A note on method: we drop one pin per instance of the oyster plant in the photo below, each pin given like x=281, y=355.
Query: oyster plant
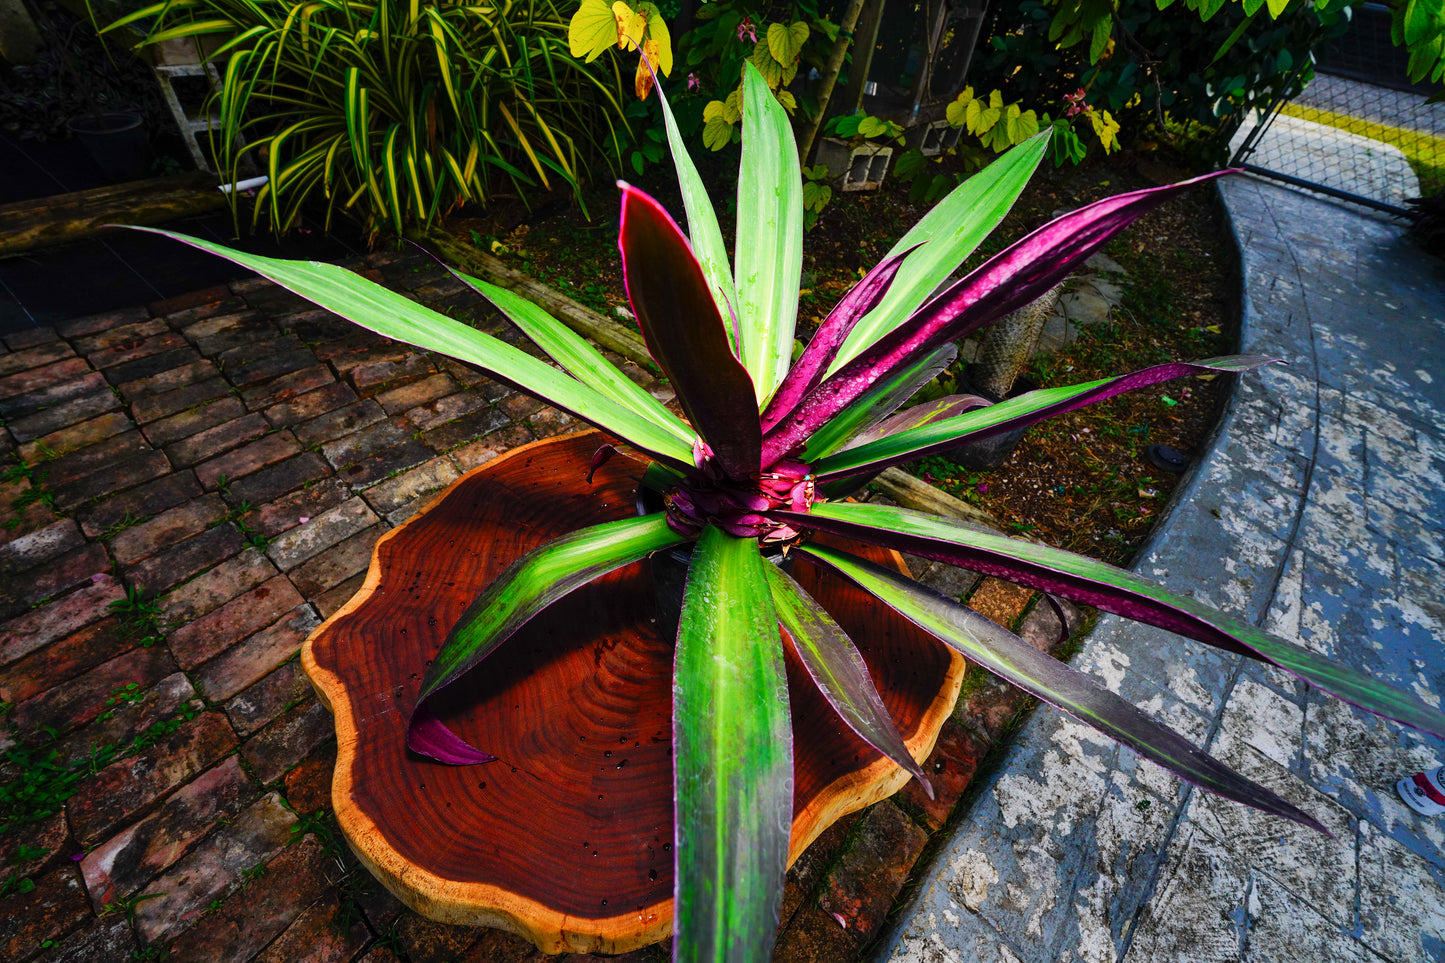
x=768, y=447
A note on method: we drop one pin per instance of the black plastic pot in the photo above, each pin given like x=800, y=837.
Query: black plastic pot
x=116, y=141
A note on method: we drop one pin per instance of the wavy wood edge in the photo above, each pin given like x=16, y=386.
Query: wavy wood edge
x=481, y=904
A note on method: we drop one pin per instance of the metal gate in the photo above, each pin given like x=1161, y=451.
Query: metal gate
x=1359, y=131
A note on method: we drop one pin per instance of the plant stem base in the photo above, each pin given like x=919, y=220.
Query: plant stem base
x=567, y=838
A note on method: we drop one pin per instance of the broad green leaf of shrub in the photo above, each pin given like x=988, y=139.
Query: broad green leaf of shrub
x=872, y=127
x=593, y=29
x=957, y=111
x=783, y=43
x=772, y=71
x=717, y=133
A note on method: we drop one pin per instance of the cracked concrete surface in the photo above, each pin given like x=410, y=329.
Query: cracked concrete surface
x=1316, y=514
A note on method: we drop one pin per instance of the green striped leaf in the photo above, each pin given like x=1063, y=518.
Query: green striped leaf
x=702, y=227
x=732, y=758
x=577, y=355
x=396, y=316
x=769, y=250
x=1026, y=409
x=528, y=586
x=951, y=231
x=880, y=402
x=1111, y=589
x=1014, y=660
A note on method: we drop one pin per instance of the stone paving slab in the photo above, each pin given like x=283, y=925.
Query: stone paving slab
x=194, y=485
x=1317, y=515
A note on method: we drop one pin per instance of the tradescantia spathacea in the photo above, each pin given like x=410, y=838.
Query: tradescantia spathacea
x=766, y=449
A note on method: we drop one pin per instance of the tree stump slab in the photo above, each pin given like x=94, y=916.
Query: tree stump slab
x=567, y=838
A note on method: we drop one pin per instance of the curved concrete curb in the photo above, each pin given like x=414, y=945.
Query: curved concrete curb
x=1314, y=514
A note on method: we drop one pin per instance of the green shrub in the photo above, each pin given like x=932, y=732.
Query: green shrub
x=1142, y=63
x=396, y=112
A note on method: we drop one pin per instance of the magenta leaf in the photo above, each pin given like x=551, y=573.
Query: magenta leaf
x=1016, y=661
x=1009, y=280
x=808, y=370
x=1026, y=269
x=1111, y=589
x=685, y=333
x=430, y=737
x=1026, y=409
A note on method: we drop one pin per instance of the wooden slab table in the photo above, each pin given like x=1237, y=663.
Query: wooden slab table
x=567, y=838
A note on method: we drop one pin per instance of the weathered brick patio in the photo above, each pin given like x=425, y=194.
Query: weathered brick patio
x=193, y=487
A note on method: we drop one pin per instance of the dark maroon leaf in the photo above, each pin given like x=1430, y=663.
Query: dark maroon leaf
x=685, y=333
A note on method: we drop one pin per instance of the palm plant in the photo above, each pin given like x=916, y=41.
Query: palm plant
x=765, y=450
x=394, y=112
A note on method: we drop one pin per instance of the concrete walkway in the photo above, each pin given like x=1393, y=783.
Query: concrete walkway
x=1317, y=514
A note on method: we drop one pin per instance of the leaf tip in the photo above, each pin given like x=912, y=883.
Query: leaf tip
x=428, y=736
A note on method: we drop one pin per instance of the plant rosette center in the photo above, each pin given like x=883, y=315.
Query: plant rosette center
x=736, y=505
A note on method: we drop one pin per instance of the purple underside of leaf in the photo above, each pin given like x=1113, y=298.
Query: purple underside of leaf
x=808, y=370
x=430, y=737
x=684, y=332
x=1016, y=661
x=1110, y=589
x=1009, y=280
x=907, y=442
x=1034, y=575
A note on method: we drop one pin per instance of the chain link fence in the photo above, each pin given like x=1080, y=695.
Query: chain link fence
x=1360, y=130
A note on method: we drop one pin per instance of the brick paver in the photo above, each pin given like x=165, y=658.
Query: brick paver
x=203, y=482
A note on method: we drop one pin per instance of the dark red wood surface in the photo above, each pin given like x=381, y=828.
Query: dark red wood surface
x=577, y=812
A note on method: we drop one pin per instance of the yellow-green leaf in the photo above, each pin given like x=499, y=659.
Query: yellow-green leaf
x=717, y=134
x=800, y=33
x=631, y=26
x=592, y=30
x=762, y=58
x=657, y=31
x=956, y=111
x=780, y=43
